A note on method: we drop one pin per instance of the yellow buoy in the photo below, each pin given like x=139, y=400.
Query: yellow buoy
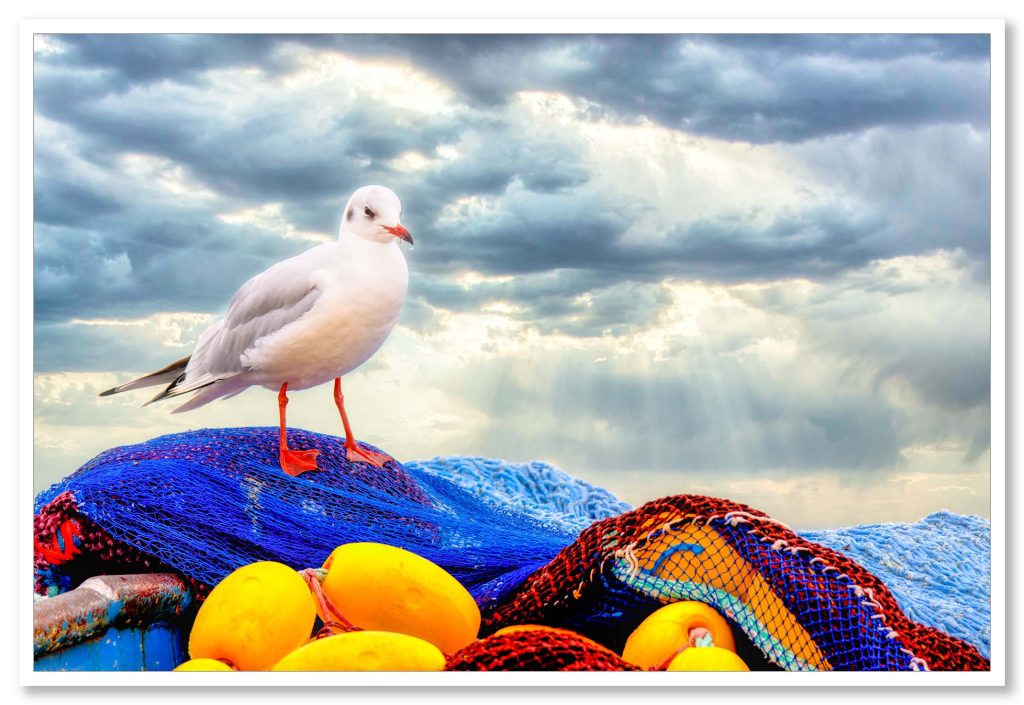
x=364, y=651
x=707, y=658
x=204, y=664
x=254, y=617
x=384, y=588
x=667, y=630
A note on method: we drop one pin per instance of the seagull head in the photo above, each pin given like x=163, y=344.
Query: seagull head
x=374, y=213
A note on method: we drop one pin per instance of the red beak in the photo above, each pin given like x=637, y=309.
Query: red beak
x=399, y=231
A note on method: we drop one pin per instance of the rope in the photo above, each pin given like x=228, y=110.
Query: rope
x=699, y=638
x=334, y=620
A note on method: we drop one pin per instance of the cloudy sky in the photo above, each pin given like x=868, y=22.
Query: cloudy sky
x=749, y=266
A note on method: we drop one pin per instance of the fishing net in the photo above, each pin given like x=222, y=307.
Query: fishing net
x=541, y=650
x=204, y=503
x=938, y=568
x=804, y=606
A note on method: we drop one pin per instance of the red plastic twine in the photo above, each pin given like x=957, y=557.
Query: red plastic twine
x=334, y=620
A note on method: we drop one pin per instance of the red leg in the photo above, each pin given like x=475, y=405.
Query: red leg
x=293, y=462
x=354, y=452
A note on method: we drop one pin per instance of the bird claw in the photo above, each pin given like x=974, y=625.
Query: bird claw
x=296, y=462
x=356, y=454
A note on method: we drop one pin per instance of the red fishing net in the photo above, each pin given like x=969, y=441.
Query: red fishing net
x=804, y=606
x=537, y=650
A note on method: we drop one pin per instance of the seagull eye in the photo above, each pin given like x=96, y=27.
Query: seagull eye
x=369, y=212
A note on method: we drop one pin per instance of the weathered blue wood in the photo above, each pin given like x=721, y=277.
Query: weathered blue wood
x=159, y=647
x=113, y=623
x=164, y=646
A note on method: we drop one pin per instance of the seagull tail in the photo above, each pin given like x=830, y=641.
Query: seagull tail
x=173, y=373
x=179, y=386
x=216, y=389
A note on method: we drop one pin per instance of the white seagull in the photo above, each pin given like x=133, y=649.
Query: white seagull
x=302, y=322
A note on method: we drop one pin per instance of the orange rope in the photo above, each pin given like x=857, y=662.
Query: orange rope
x=334, y=620
x=697, y=635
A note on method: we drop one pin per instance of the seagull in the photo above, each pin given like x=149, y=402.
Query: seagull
x=302, y=322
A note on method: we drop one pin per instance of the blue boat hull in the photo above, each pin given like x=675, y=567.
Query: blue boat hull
x=114, y=623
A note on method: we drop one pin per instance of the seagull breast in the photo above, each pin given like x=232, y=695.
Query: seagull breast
x=361, y=287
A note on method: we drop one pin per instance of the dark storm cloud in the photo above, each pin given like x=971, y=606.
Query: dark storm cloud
x=917, y=191
x=130, y=59
x=932, y=185
x=955, y=376
x=549, y=265
x=864, y=46
x=539, y=233
x=758, y=88
x=170, y=264
x=117, y=95
x=261, y=155
x=64, y=202
x=724, y=418
x=615, y=310
x=99, y=348
x=930, y=339
x=573, y=302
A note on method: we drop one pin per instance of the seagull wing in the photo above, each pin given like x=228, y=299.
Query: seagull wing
x=265, y=304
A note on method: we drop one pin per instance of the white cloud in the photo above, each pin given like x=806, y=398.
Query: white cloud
x=46, y=45
x=829, y=500
x=270, y=217
x=155, y=173
x=336, y=76
x=666, y=178
x=172, y=329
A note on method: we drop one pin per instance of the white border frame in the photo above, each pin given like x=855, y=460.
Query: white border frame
x=997, y=499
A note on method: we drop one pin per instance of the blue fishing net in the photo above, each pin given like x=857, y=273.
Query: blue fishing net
x=938, y=568
x=208, y=501
x=544, y=492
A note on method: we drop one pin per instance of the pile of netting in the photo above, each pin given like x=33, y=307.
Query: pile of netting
x=203, y=503
x=938, y=568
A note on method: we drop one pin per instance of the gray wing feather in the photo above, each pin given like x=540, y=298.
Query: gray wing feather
x=264, y=305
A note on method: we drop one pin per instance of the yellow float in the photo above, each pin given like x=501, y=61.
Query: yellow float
x=668, y=629
x=364, y=651
x=383, y=588
x=254, y=617
x=204, y=664
x=707, y=658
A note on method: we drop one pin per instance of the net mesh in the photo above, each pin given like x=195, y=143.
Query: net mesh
x=804, y=606
x=209, y=501
x=540, y=650
x=204, y=503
